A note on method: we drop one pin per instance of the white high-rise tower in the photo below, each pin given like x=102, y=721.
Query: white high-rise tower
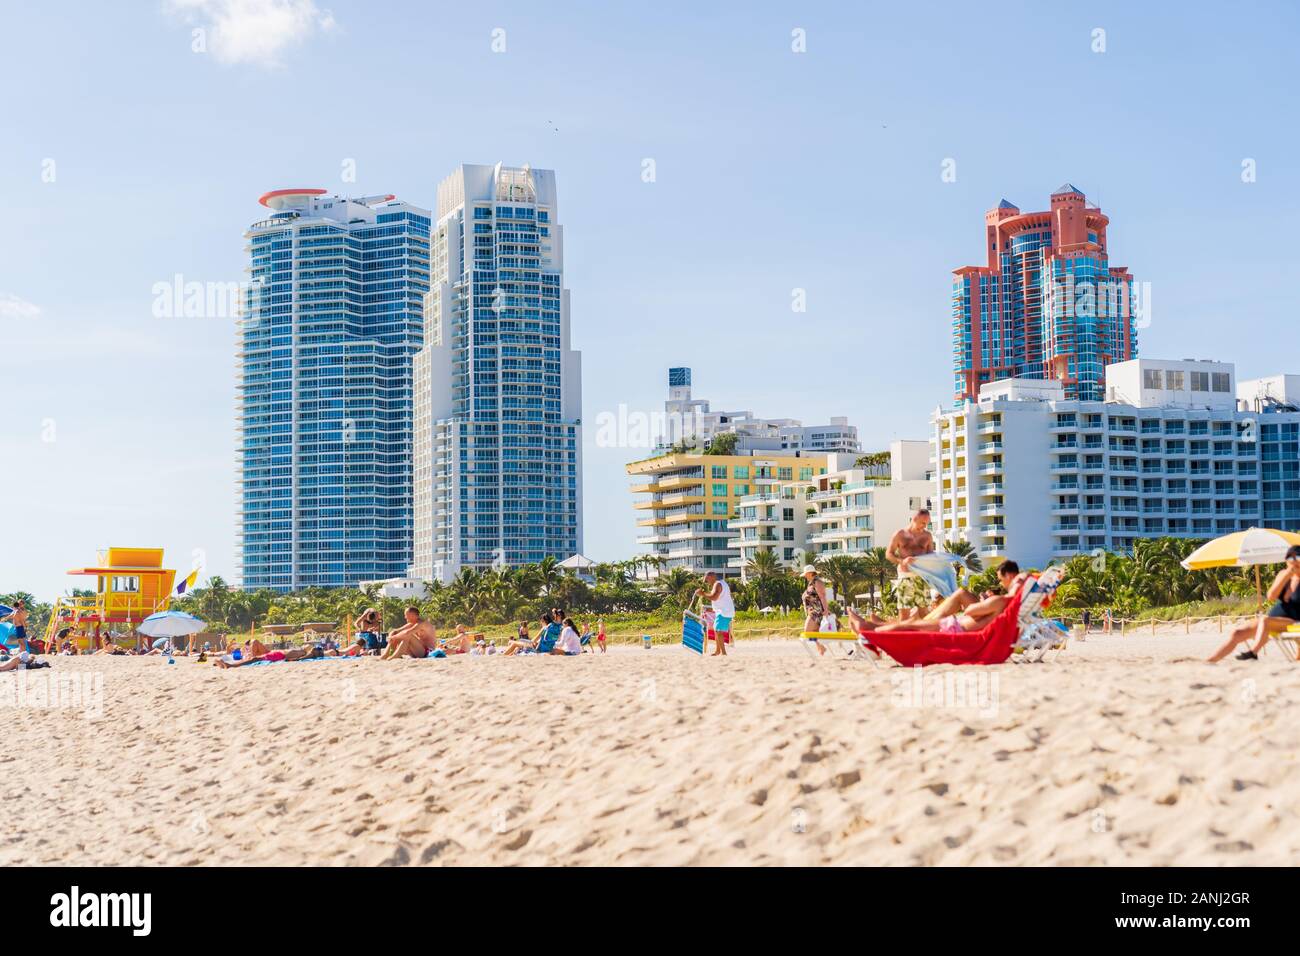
x=498, y=390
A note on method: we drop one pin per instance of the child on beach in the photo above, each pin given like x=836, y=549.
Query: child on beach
x=600, y=634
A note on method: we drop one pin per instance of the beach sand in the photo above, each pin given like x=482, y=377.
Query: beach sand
x=1126, y=750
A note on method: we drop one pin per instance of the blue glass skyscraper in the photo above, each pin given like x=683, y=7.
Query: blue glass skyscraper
x=332, y=321
x=498, y=390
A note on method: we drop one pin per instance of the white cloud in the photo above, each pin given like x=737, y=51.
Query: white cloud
x=255, y=31
x=12, y=307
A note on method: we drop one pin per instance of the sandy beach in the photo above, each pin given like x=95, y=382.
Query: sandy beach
x=1126, y=750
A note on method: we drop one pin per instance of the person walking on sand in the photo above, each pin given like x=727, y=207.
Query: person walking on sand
x=600, y=634
x=911, y=592
x=18, y=618
x=1285, y=593
x=718, y=591
x=814, y=604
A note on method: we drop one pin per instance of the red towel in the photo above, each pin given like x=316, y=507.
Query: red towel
x=991, y=644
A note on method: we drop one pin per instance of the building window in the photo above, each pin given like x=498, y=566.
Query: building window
x=1151, y=378
x=1220, y=380
x=1200, y=381
x=1174, y=381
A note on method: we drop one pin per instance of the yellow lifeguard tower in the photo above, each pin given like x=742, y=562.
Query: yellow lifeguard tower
x=131, y=585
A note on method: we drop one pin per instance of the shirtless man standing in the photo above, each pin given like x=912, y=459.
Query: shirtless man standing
x=19, y=620
x=417, y=638
x=910, y=591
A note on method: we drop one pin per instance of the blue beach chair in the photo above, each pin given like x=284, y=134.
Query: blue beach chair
x=693, y=632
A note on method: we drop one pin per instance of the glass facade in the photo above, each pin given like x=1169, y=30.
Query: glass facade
x=498, y=413
x=1047, y=306
x=331, y=322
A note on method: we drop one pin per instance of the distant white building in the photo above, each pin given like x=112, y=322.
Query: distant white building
x=844, y=511
x=1176, y=449
x=405, y=589
x=582, y=567
x=688, y=418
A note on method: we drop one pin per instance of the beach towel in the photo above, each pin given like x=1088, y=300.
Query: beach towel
x=991, y=644
x=936, y=569
x=546, y=643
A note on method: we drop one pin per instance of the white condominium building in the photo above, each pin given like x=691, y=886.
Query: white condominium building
x=691, y=419
x=690, y=498
x=845, y=511
x=1176, y=449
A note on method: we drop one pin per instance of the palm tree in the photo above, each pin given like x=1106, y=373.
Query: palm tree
x=763, y=565
x=876, y=568
x=844, y=572
x=548, y=573
x=966, y=555
x=677, y=583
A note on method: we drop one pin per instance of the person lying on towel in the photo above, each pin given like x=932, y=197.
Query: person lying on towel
x=257, y=651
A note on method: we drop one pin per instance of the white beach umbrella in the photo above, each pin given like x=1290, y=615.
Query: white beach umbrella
x=171, y=624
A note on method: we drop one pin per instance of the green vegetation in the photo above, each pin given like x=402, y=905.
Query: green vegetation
x=1149, y=583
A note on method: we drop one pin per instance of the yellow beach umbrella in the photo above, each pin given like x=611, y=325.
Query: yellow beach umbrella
x=1243, y=549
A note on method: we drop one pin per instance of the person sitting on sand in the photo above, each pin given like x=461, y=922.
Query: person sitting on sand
x=546, y=638
x=417, y=638
x=369, y=624
x=1285, y=595
x=961, y=611
x=570, y=641
x=462, y=642
x=111, y=649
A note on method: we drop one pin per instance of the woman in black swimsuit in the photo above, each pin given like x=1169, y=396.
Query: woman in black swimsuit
x=1285, y=593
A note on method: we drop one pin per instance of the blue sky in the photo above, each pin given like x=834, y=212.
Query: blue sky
x=775, y=170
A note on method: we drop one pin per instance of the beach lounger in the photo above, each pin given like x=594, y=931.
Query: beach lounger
x=992, y=644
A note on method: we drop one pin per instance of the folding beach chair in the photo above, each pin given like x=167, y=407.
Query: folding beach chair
x=856, y=647
x=1039, y=636
x=1288, y=642
x=693, y=630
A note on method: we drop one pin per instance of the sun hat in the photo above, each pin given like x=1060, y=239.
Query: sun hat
x=807, y=568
